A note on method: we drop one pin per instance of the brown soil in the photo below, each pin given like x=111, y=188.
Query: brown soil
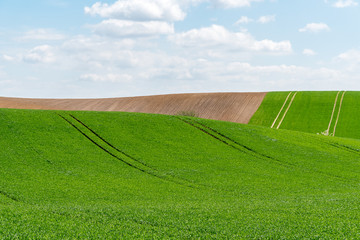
x=234, y=107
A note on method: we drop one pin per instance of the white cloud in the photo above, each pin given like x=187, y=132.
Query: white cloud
x=262, y=19
x=352, y=55
x=139, y=10
x=124, y=28
x=266, y=19
x=8, y=58
x=350, y=60
x=233, y=3
x=218, y=36
x=345, y=3
x=40, y=54
x=315, y=27
x=309, y=52
x=244, y=19
x=109, y=77
x=42, y=34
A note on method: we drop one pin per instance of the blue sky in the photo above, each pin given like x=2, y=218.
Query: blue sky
x=79, y=49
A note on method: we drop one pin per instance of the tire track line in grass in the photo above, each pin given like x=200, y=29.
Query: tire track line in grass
x=9, y=196
x=281, y=109
x=126, y=162
x=122, y=152
x=211, y=135
x=332, y=115
x=287, y=109
x=344, y=147
x=231, y=143
x=338, y=115
x=110, y=145
x=284, y=163
x=262, y=156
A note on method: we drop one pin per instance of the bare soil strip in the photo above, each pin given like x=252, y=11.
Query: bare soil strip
x=281, y=109
x=332, y=114
x=233, y=107
x=287, y=109
x=338, y=115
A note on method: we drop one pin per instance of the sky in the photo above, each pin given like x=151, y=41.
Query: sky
x=109, y=48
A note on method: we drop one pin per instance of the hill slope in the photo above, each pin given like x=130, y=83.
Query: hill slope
x=329, y=113
x=131, y=175
x=233, y=107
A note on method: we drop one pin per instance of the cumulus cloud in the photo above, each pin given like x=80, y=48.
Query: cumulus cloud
x=233, y=3
x=109, y=77
x=266, y=19
x=315, y=27
x=350, y=60
x=244, y=20
x=8, y=58
x=139, y=10
x=219, y=36
x=42, y=34
x=352, y=55
x=124, y=28
x=345, y=3
x=308, y=52
x=40, y=54
x=262, y=19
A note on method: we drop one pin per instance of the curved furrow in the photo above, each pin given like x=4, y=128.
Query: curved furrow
x=143, y=168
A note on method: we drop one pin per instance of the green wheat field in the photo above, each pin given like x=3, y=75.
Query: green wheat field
x=117, y=175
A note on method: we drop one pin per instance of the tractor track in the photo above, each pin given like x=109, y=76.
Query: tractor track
x=338, y=115
x=240, y=147
x=109, y=144
x=189, y=184
x=122, y=152
x=333, y=112
x=260, y=155
x=286, y=111
x=278, y=115
x=9, y=196
x=344, y=147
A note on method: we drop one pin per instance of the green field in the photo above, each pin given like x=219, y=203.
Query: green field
x=312, y=112
x=107, y=175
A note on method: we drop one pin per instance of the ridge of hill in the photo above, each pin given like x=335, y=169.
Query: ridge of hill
x=90, y=175
x=233, y=107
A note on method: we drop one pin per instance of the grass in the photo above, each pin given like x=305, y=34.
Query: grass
x=69, y=175
x=311, y=112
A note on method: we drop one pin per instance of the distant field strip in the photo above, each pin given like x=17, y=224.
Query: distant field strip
x=286, y=111
x=273, y=124
x=338, y=114
x=330, y=113
x=125, y=158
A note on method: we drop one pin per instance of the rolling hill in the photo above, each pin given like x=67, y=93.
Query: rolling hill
x=76, y=174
